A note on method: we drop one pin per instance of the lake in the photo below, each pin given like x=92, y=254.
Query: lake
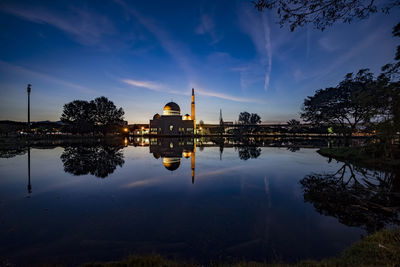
x=190, y=200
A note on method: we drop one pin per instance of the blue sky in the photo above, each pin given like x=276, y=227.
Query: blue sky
x=143, y=54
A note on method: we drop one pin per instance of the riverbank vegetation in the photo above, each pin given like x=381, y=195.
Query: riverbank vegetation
x=379, y=249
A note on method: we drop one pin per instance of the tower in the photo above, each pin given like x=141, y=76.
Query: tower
x=193, y=115
x=28, y=90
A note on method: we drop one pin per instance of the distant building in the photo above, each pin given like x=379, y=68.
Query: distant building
x=172, y=122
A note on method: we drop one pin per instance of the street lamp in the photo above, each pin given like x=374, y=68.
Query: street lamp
x=28, y=89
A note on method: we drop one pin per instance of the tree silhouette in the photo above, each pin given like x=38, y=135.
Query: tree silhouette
x=249, y=152
x=106, y=116
x=322, y=13
x=99, y=114
x=356, y=196
x=100, y=160
x=346, y=106
x=79, y=116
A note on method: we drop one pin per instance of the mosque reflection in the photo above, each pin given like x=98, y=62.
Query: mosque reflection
x=171, y=150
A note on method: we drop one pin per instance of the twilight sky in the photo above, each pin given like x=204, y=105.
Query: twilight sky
x=143, y=54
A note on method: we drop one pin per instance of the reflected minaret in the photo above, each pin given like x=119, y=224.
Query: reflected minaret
x=193, y=161
x=193, y=115
x=29, y=171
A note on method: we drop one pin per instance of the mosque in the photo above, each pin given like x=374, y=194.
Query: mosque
x=172, y=123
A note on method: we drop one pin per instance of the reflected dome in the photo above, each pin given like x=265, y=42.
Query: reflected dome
x=171, y=108
x=186, y=154
x=171, y=163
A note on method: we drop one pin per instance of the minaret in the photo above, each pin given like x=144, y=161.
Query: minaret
x=193, y=115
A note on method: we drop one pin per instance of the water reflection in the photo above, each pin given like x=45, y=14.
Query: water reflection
x=249, y=152
x=356, y=196
x=171, y=151
x=99, y=160
x=29, y=171
x=249, y=209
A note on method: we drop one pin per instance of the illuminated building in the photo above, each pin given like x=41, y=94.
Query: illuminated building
x=171, y=122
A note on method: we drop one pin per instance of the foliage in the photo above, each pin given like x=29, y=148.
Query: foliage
x=392, y=70
x=106, y=115
x=99, y=160
x=99, y=114
x=294, y=125
x=244, y=118
x=249, y=122
x=356, y=196
x=322, y=13
x=79, y=116
x=346, y=106
x=249, y=152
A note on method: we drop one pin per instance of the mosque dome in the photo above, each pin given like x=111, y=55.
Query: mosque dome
x=171, y=108
x=186, y=117
x=171, y=163
x=156, y=116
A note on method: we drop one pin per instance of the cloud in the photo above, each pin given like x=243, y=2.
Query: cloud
x=257, y=27
x=205, y=92
x=24, y=71
x=88, y=28
x=207, y=26
x=158, y=87
x=153, y=86
x=328, y=44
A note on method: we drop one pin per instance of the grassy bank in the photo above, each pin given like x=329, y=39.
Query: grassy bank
x=367, y=156
x=379, y=249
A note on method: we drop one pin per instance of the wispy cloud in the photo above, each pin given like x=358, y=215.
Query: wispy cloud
x=257, y=27
x=153, y=86
x=207, y=26
x=5, y=66
x=205, y=92
x=158, y=87
x=86, y=27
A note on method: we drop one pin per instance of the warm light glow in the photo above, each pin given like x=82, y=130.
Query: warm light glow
x=126, y=129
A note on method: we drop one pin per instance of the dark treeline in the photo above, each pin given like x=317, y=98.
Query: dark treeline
x=97, y=116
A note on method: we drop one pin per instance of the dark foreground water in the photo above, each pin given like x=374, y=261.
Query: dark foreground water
x=101, y=202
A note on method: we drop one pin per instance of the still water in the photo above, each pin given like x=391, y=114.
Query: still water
x=186, y=201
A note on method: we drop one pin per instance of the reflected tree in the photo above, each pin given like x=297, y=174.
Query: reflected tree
x=10, y=153
x=249, y=152
x=356, y=196
x=99, y=161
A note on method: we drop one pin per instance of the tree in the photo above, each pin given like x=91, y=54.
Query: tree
x=344, y=107
x=106, y=115
x=98, y=160
x=249, y=121
x=100, y=114
x=294, y=125
x=255, y=118
x=322, y=13
x=392, y=70
x=356, y=196
x=244, y=118
x=79, y=116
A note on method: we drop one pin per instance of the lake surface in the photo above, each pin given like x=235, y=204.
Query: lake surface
x=186, y=201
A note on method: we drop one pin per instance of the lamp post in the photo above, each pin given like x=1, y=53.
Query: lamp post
x=28, y=89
